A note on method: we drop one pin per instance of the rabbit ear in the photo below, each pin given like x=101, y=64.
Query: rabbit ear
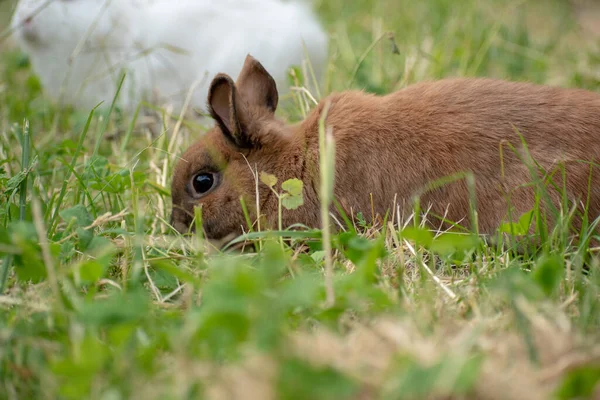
x=256, y=86
x=236, y=105
x=226, y=109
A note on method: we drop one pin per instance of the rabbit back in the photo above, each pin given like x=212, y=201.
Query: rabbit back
x=507, y=134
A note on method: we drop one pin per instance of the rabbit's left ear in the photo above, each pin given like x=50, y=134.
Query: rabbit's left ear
x=235, y=106
x=256, y=86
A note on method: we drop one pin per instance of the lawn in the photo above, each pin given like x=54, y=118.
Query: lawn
x=100, y=299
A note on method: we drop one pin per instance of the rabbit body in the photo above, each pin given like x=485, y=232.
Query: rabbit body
x=389, y=148
x=166, y=47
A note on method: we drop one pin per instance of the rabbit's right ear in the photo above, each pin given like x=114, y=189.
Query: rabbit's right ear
x=257, y=86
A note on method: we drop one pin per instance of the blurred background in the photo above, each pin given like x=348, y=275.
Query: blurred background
x=380, y=45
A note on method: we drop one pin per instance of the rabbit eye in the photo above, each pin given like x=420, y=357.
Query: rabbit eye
x=203, y=183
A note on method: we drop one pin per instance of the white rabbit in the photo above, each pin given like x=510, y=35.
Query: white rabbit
x=78, y=47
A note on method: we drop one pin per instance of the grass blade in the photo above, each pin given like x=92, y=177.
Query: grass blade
x=110, y=111
x=25, y=166
x=63, y=189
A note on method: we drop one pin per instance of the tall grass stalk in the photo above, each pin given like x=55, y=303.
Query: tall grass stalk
x=65, y=182
x=25, y=164
x=25, y=155
x=327, y=176
x=102, y=131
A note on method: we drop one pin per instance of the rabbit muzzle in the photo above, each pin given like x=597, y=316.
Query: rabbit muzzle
x=181, y=221
x=28, y=31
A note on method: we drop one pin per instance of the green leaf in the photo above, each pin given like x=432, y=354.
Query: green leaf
x=80, y=213
x=172, y=269
x=292, y=202
x=519, y=228
x=525, y=222
x=354, y=246
x=103, y=251
x=273, y=260
x=580, y=383
x=85, y=238
x=514, y=280
x=318, y=255
x=421, y=236
x=79, y=369
x=268, y=179
x=451, y=376
x=91, y=271
x=413, y=380
x=369, y=268
x=363, y=252
x=162, y=279
x=302, y=291
x=449, y=243
x=100, y=245
x=549, y=272
x=469, y=374
x=292, y=199
x=29, y=264
x=300, y=380
x=117, y=309
x=223, y=332
x=361, y=221
x=293, y=186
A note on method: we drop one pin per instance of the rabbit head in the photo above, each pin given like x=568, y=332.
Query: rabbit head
x=220, y=170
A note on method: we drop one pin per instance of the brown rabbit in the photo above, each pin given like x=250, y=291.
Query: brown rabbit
x=392, y=146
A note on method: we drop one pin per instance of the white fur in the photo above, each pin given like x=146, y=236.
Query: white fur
x=80, y=46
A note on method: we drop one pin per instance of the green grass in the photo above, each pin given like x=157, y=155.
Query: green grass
x=100, y=300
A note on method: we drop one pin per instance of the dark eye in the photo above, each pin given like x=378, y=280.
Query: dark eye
x=202, y=183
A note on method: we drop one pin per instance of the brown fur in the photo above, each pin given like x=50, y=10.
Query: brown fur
x=393, y=145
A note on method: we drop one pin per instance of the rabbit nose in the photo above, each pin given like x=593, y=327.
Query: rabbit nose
x=28, y=30
x=178, y=225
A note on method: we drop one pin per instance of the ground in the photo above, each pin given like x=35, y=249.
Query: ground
x=98, y=299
